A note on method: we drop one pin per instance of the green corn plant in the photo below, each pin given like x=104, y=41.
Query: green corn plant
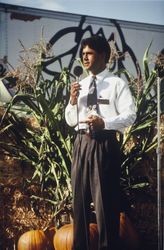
x=142, y=135
x=47, y=145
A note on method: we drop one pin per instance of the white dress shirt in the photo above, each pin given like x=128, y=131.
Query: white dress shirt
x=115, y=103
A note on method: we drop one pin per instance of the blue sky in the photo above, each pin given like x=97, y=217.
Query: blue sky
x=144, y=11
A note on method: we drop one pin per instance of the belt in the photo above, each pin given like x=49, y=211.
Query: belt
x=82, y=131
x=98, y=134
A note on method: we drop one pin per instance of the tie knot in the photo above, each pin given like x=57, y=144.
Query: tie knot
x=93, y=83
x=93, y=79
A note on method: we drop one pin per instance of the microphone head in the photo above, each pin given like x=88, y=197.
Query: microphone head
x=78, y=71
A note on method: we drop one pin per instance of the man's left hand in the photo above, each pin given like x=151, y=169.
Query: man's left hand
x=95, y=122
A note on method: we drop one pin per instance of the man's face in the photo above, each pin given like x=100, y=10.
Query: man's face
x=93, y=61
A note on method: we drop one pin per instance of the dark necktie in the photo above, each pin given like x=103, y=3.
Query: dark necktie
x=92, y=95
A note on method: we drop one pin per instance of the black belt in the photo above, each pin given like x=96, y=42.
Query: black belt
x=98, y=134
x=82, y=131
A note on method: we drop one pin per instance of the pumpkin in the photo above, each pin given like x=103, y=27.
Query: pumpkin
x=63, y=238
x=128, y=233
x=33, y=240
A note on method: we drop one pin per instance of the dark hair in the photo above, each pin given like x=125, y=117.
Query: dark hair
x=97, y=43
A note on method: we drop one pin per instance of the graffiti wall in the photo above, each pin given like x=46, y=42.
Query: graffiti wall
x=64, y=32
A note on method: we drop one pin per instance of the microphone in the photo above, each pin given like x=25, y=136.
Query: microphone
x=78, y=71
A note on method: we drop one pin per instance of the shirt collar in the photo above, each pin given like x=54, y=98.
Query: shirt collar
x=102, y=74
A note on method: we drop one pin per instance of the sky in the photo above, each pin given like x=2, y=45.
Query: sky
x=143, y=11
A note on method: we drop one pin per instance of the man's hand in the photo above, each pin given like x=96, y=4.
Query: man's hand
x=95, y=122
x=75, y=87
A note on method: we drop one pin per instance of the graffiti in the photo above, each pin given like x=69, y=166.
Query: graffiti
x=79, y=32
x=125, y=49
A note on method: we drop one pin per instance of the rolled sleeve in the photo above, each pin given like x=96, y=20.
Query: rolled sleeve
x=71, y=115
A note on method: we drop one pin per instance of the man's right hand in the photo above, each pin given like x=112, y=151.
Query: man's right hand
x=74, y=93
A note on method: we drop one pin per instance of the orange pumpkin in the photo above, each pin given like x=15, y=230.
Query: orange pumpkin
x=63, y=238
x=33, y=240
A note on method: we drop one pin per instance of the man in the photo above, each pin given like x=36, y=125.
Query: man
x=96, y=156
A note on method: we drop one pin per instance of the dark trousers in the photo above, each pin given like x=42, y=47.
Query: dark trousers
x=96, y=177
